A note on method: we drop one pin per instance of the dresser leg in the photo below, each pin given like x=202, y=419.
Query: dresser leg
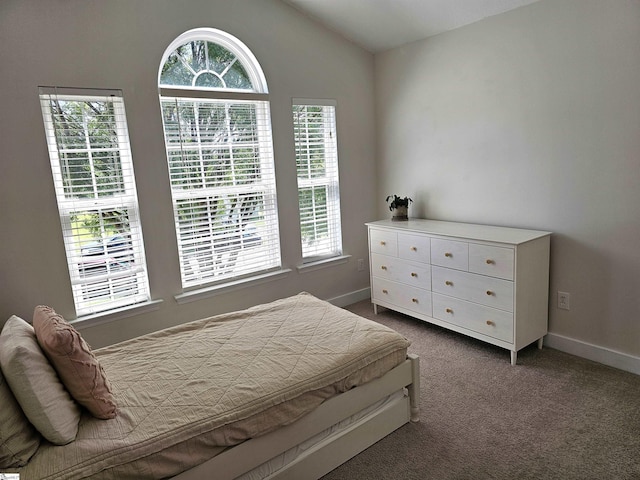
x=514, y=357
x=540, y=340
x=375, y=309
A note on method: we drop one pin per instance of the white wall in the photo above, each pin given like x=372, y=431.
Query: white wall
x=119, y=44
x=530, y=119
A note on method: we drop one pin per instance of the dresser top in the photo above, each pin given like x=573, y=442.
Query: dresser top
x=469, y=231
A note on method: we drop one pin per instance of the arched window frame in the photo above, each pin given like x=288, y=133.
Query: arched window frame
x=203, y=266
x=231, y=43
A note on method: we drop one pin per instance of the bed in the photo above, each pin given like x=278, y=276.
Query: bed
x=288, y=389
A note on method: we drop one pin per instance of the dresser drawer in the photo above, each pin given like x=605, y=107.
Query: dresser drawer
x=490, y=291
x=493, y=261
x=384, y=241
x=449, y=253
x=414, y=247
x=481, y=319
x=411, y=298
x=410, y=273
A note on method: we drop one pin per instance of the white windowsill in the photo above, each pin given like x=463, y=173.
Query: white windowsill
x=206, y=292
x=326, y=262
x=116, y=314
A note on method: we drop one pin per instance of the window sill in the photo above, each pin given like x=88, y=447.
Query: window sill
x=324, y=263
x=116, y=314
x=206, y=292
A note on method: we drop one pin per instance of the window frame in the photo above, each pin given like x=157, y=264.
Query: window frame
x=69, y=205
x=331, y=182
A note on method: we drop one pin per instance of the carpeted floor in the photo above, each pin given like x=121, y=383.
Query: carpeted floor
x=552, y=416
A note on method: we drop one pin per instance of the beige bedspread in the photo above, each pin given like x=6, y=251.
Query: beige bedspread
x=189, y=392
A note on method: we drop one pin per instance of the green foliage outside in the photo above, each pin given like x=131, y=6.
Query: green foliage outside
x=88, y=146
x=311, y=164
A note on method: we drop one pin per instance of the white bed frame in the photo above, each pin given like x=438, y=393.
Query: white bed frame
x=338, y=447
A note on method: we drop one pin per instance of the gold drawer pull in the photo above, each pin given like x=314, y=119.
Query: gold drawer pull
x=384, y=290
x=448, y=254
x=414, y=300
x=489, y=292
x=491, y=323
x=448, y=283
x=448, y=310
x=490, y=262
x=414, y=249
x=383, y=243
x=383, y=267
x=413, y=274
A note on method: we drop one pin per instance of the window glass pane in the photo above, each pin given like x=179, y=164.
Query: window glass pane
x=108, y=173
x=237, y=77
x=314, y=222
x=100, y=121
x=104, y=241
x=223, y=237
x=204, y=64
x=218, y=143
x=88, y=148
x=195, y=55
x=208, y=80
x=76, y=175
x=69, y=120
x=176, y=73
x=219, y=58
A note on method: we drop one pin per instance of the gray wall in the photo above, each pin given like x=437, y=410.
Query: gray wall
x=530, y=119
x=119, y=44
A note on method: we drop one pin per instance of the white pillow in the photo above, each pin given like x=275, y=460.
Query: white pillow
x=35, y=384
x=18, y=439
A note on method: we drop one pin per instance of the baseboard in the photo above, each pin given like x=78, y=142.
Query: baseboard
x=352, y=297
x=603, y=355
x=606, y=356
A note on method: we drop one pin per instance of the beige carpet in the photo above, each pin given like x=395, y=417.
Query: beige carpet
x=553, y=416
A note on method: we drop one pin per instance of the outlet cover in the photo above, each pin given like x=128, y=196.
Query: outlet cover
x=564, y=300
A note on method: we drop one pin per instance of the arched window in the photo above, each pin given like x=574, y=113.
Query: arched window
x=217, y=129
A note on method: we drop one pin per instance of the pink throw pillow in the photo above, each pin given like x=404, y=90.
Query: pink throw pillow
x=76, y=365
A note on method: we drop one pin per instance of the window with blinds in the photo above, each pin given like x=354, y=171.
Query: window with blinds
x=95, y=187
x=314, y=124
x=218, y=140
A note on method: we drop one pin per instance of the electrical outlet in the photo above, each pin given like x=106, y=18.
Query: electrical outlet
x=564, y=300
x=360, y=264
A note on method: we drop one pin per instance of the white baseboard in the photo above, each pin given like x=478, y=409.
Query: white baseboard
x=351, y=297
x=606, y=356
x=603, y=355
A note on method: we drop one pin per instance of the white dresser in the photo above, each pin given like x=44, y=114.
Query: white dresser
x=491, y=283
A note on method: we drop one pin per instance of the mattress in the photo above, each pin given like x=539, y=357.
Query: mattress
x=189, y=392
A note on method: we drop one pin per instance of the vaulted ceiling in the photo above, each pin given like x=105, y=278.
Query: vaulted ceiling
x=379, y=25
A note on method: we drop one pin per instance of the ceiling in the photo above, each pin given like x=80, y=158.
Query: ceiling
x=379, y=25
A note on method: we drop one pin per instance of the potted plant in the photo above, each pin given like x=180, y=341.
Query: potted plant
x=400, y=205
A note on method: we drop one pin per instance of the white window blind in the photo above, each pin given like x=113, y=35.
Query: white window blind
x=314, y=124
x=219, y=149
x=93, y=175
